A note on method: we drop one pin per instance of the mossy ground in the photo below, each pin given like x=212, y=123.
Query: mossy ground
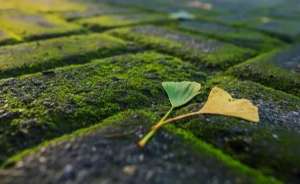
x=48, y=105
x=277, y=69
x=205, y=52
x=239, y=36
x=255, y=144
x=104, y=22
x=126, y=127
x=31, y=25
x=68, y=65
x=46, y=54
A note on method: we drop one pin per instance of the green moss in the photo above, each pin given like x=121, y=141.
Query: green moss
x=263, y=69
x=201, y=51
x=93, y=9
x=40, y=55
x=110, y=121
x=6, y=38
x=285, y=29
x=270, y=145
x=237, y=36
x=112, y=21
x=31, y=25
x=73, y=97
x=144, y=117
x=208, y=149
x=42, y=6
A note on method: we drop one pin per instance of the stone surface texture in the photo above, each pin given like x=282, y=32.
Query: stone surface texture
x=80, y=84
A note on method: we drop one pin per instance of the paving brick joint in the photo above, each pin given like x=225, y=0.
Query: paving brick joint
x=80, y=83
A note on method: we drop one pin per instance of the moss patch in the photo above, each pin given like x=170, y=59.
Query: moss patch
x=201, y=51
x=278, y=69
x=238, y=36
x=51, y=104
x=32, y=25
x=41, y=6
x=40, y=55
x=271, y=145
x=112, y=21
x=96, y=9
x=118, y=135
x=6, y=38
x=285, y=29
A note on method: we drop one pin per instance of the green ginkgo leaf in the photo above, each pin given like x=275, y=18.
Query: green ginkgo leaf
x=180, y=93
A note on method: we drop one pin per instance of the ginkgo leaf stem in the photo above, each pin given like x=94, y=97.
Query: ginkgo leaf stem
x=154, y=129
x=180, y=117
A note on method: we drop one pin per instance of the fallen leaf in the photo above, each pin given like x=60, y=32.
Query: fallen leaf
x=180, y=93
x=220, y=102
x=182, y=15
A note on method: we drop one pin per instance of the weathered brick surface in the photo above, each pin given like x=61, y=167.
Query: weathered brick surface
x=33, y=25
x=209, y=53
x=50, y=104
x=42, y=6
x=238, y=36
x=111, y=21
x=83, y=79
x=279, y=69
x=100, y=154
x=271, y=144
x=5, y=37
x=41, y=55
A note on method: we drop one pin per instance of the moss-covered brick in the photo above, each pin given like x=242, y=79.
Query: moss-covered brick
x=201, y=51
x=108, y=152
x=42, y=106
x=6, y=37
x=286, y=29
x=279, y=69
x=166, y=6
x=42, y=6
x=93, y=9
x=288, y=10
x=33, y=25
x=238, y=36
x=272, y=145
x=112, y=21
x=245, y=7
x=40, y=55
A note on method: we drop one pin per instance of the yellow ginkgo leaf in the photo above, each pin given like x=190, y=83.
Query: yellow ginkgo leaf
x=220, y=102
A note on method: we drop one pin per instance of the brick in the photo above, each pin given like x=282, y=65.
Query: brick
x=40, y=55
x=166, y=6
x=238, y=7
x=111, y=21
x=286, y=29
x=41, y=6
x=31, y=25
x=123, y=162
x=286, y=9
x=96, y=9
x=201, y=51
x=278, y=69
x=54, y=103
x=7, y=38
x=233, y=35
x=271, y=145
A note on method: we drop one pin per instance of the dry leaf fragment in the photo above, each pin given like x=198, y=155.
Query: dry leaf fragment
x=220, y=102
